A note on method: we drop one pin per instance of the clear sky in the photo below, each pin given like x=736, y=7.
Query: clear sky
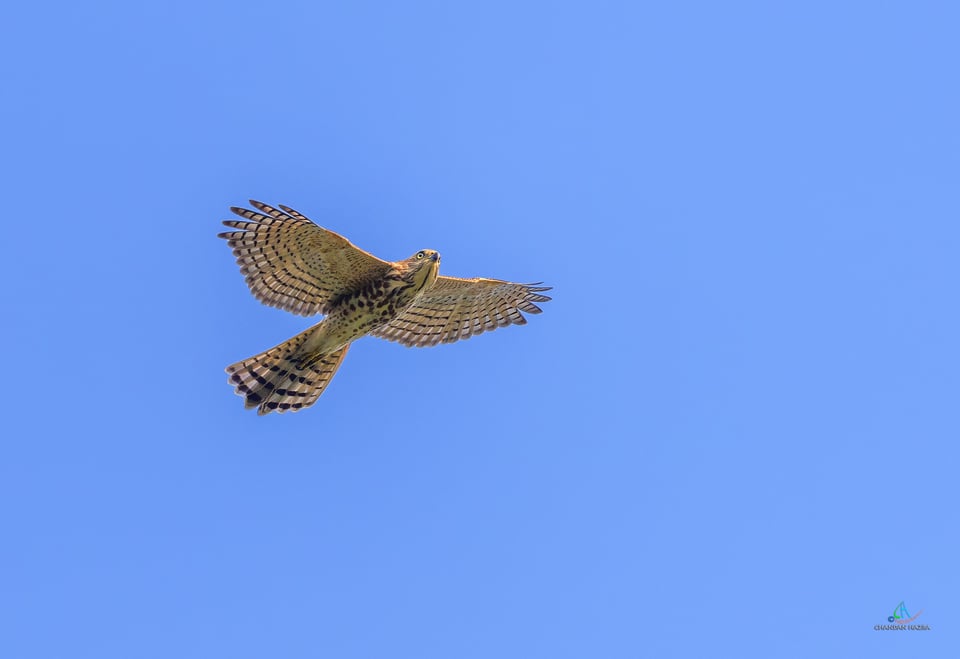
x=733, y=432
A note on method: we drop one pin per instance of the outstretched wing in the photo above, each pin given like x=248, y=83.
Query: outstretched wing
x=454, y=309
x=291, y=263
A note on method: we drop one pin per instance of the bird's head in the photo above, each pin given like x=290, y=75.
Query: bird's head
x=422, y=268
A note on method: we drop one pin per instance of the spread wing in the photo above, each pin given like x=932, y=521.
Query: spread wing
x=291, y=263
x=454, y=309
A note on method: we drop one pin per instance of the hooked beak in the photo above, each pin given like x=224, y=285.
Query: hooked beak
x=435, y=256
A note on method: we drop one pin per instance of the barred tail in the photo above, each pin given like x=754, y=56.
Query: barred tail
x=282, y=378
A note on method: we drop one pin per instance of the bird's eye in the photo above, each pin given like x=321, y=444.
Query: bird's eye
x=420, y=255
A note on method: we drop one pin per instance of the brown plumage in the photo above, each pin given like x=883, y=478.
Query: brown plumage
x=291, y=263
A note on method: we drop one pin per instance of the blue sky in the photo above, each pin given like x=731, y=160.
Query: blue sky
x=733, y=432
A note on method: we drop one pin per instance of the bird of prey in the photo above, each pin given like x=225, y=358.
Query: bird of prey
x=293, y=264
